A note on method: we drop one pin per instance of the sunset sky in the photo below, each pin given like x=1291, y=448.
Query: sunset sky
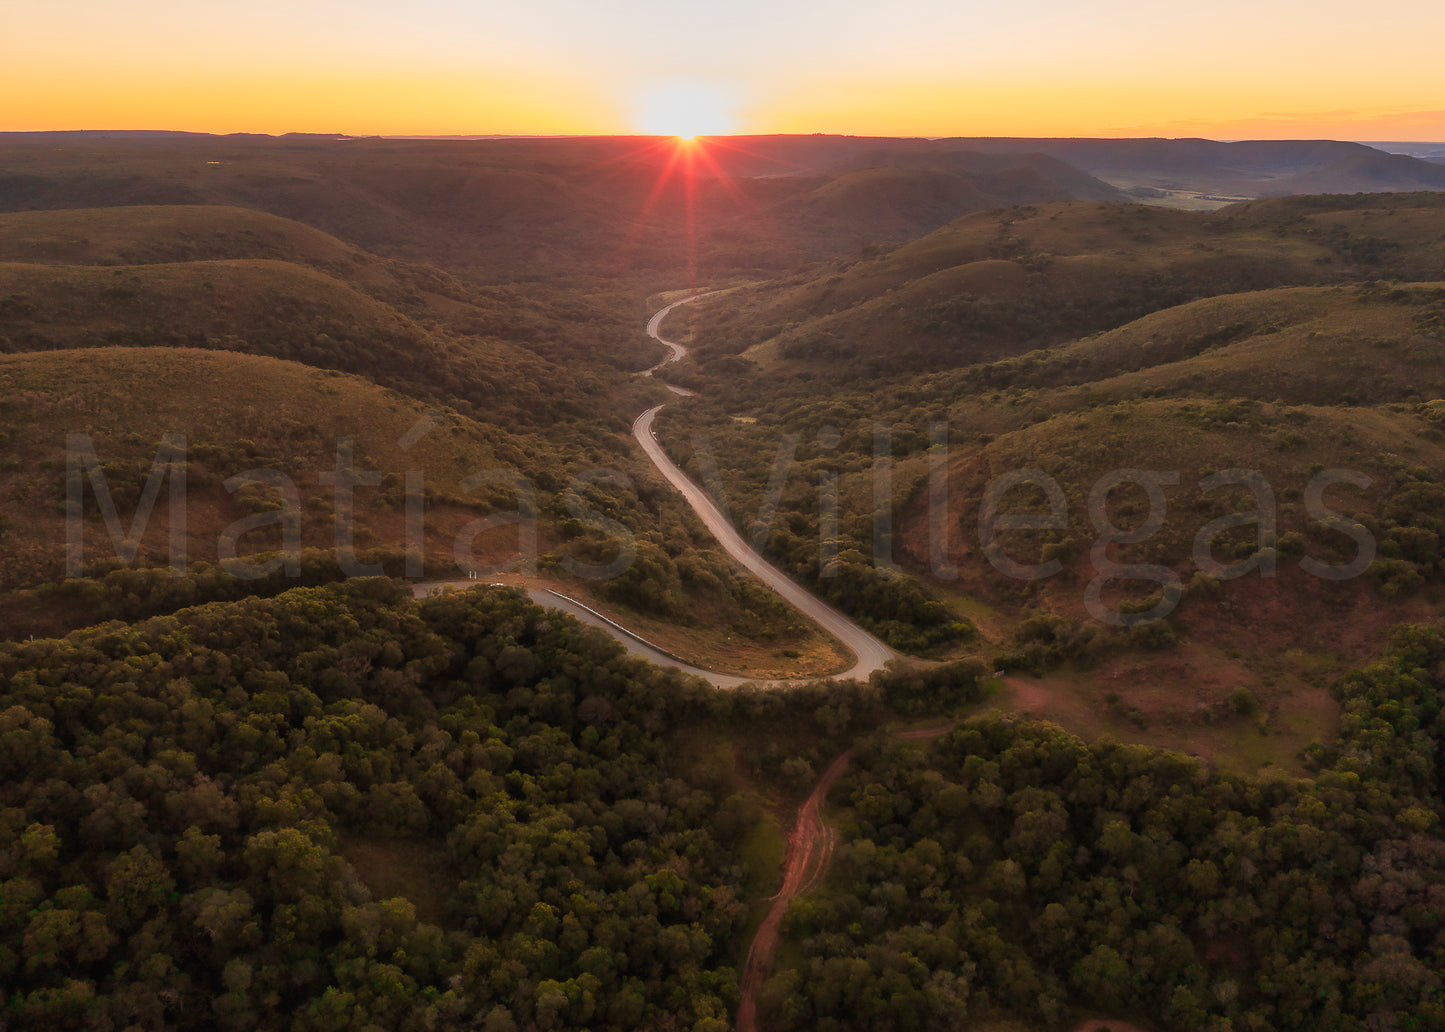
x=1228, y=70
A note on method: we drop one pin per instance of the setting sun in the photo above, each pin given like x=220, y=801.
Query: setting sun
x=728, y=517
x=686, y=111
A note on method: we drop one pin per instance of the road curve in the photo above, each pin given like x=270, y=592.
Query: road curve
x=872, y=654
x=675, y=351
x=630, y=640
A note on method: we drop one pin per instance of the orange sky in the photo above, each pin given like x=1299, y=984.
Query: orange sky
x=1290, y=69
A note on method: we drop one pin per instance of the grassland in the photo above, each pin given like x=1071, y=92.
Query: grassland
x=1283, y=335
x=227, y=279
x=1333, y=367
x=1003, y=283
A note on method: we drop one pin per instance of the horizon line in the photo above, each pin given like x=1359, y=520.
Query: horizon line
x=481, y=137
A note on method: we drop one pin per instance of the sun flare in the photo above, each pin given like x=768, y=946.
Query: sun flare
x=686, y=111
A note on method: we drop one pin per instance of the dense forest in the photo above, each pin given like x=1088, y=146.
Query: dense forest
x=341, y=808
x=193, y=806
x=1013, y=869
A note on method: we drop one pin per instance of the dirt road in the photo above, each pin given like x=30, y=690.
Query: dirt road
x=810, y=849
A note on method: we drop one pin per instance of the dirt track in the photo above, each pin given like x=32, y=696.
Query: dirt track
x=810, y=848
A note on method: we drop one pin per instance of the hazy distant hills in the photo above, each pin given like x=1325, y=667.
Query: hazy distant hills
x=1370, y=172
x=1252, y=168
x=1002, y=170
x=1433, y=152
x=523, y=210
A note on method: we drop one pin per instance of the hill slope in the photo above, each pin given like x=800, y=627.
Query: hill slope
x=1002, y=283
x=247, y=281
x=524, y=211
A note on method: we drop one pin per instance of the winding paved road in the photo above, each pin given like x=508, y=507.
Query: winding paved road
x=631, y=640
x=872, y=654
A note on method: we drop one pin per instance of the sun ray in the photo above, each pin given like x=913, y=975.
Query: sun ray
x=689, y=170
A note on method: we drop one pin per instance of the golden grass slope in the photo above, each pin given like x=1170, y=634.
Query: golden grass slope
x=241, y=303
x=228, y=278
x=273, y=308
x=237, y=413
x=1375, y=344
x=153, y=234
x=1006, y=282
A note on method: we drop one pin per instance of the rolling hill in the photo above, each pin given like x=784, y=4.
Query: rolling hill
x=1370, y=172
x=247, y=281
x=156, y=234
x=1252, y=168
x=238, y=414
x=270, y=308
x=1003, y=283
x=1192, y=378
x=526, y=211
x=250, y=335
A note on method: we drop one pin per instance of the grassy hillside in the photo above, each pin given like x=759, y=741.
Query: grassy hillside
x=1004, y=283
x=1289, y=382
x=1359, y=344
x=147, y=235
x=559, y=325
x=250, y=412
x=596, y=211
x=287, y=307
x=240, y=280
x=897, y=197
x=241, y=412
x=270, y=308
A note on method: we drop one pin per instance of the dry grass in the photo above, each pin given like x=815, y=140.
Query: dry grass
x=1071, y=269
x=144, y=235
x=235, y=299
x=251, y=413
x=809, y=654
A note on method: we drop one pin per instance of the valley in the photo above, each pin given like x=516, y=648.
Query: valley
x=759, y=582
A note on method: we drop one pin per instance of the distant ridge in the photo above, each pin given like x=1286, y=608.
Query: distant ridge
x=166, y=134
